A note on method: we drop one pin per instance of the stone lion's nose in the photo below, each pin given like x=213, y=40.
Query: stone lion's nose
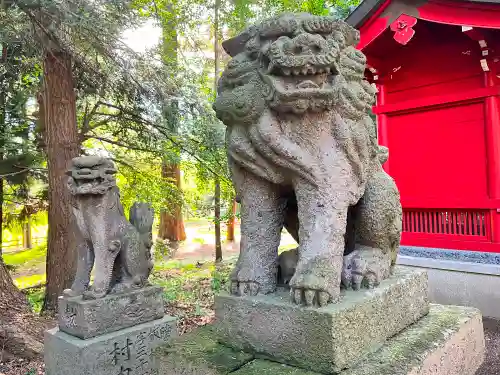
x=306, y=44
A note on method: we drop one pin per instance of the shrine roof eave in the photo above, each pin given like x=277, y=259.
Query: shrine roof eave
x=363, y=12
x=372, y=17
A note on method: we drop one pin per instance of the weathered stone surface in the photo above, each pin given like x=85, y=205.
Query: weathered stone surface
x=326, y=339
x=449, y=340
x=125, y=352
x=198, y=353
x=88, y=318
x=303, y=150
x=117, y=249
x=263, y=367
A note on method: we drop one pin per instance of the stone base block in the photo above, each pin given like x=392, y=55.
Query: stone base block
x=124, y=352
x=447, y=341
x=90, y=318
x=327, y=339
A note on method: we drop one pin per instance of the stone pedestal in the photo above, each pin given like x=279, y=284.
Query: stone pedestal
x=326, y=339
x=114, y=335
x=390, y=330
x=90, y=318
x=123, y=352
x=449, y=340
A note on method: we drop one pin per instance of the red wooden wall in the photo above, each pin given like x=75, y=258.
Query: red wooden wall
x=434, y=114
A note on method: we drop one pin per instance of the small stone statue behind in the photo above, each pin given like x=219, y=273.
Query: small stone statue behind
x=119, y=249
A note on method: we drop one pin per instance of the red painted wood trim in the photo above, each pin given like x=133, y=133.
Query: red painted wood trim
x=447, y=237
x=417, y=204
x=439, y=11
x=437, y=101
x=383, y=131
x=492, y=137
x=461, y=13
x=430, y=240
x=374, y=26
x=376, y=15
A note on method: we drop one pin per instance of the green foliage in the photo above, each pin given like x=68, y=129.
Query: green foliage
x=141, y=182
x=35, y=298
x=188, y=283
x=162, y=250
x=26, y=257
x=30, y=281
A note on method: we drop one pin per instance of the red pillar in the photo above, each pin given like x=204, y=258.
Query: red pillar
x=492, y=132
x=383, y=131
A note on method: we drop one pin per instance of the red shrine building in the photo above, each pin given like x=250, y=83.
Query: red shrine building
x=436, y=64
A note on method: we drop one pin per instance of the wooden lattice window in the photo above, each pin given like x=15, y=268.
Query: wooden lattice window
x=456, y=222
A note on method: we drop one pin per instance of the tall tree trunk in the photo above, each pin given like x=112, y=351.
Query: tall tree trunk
x=171, y=223
x=62, y=144
x=21, y=332
x=10, y=296
x=218, y=244
x=231, y=222
x=3, y=59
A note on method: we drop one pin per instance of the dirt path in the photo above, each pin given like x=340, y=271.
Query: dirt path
x=200, y=243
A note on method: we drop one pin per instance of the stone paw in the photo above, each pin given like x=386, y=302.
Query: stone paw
x=365, y=267
x=253, y=280
x=315, y=282
x=244, y=288
x=72, y=293
x=93, y=294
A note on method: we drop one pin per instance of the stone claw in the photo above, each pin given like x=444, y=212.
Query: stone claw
x=309, y=297
x=357, y=280
x=371, y=280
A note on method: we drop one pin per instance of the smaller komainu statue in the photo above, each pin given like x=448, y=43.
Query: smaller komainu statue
x=119, y=249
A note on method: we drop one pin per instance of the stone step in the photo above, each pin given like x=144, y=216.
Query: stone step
x=449, y=340
x=327, y=339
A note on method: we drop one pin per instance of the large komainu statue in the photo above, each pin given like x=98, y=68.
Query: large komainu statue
x=303, y=153
x=120, y=249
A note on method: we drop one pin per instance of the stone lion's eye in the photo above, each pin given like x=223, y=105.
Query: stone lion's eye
x=316, y=49
x=297, y=49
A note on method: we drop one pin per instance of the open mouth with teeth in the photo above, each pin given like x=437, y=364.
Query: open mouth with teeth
x=308, y=81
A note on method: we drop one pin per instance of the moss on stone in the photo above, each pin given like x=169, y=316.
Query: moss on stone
x=261, y=367
x=199, y=352
x=407, y=349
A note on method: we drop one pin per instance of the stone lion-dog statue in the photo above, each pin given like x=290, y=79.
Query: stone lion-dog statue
x=118, y=249
x=303, y=154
